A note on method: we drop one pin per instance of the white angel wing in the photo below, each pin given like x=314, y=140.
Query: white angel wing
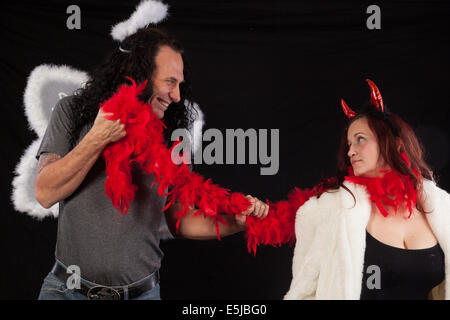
x=23, y=186
x=45, y=86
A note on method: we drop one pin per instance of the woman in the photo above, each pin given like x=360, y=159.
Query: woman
x=380, y=229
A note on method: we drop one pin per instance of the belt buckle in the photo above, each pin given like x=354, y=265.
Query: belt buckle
x=103, y=293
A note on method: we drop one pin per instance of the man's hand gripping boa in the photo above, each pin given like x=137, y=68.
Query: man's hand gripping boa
x=144, y=146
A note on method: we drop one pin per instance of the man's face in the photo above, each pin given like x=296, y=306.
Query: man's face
x=166, y=80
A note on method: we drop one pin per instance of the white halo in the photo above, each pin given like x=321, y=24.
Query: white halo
x=148, y=11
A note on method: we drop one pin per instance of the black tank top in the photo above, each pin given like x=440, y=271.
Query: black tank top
x=393, y=273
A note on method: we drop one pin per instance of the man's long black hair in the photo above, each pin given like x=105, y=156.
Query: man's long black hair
x=138, y=64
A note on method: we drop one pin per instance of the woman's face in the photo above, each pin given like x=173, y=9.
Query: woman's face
x=363, y=149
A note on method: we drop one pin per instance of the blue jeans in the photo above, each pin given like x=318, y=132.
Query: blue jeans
x=55, y=289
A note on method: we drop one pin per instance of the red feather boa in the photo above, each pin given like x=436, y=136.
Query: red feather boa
x=392, y=189
x=278, y=227
x=144, y=145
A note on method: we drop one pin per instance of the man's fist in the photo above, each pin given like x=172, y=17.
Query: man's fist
x=107, y=131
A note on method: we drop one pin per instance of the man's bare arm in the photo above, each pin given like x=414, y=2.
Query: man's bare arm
x=59, y=178
x=199, y=227
x=46, y=158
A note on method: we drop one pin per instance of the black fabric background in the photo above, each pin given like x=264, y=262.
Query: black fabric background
x=256, y=64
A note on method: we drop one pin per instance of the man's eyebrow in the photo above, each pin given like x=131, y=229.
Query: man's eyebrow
x=175, y=79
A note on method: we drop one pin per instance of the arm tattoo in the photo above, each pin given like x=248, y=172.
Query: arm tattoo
x=45, y=159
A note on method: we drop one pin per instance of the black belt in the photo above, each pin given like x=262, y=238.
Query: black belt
x=100, y=292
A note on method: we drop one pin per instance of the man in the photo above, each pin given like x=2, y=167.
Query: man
x=118, y=256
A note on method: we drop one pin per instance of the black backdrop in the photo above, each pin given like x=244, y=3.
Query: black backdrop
x=256, y=64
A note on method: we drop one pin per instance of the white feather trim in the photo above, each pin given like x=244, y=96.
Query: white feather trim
x=146, y=12
x=197, y=128
x=23, y=186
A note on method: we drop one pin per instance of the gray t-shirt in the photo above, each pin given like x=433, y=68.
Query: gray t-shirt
x=110, y=249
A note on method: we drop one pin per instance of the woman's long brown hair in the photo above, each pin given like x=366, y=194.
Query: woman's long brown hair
x=391, y=147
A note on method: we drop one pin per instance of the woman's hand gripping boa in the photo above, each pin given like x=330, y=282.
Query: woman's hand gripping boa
x=144, y=145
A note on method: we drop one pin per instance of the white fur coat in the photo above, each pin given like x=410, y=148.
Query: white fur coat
x=331, y=239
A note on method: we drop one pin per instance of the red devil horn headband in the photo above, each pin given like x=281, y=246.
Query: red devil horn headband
x=375, y=96
x=375, y=100
x=347, y=110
